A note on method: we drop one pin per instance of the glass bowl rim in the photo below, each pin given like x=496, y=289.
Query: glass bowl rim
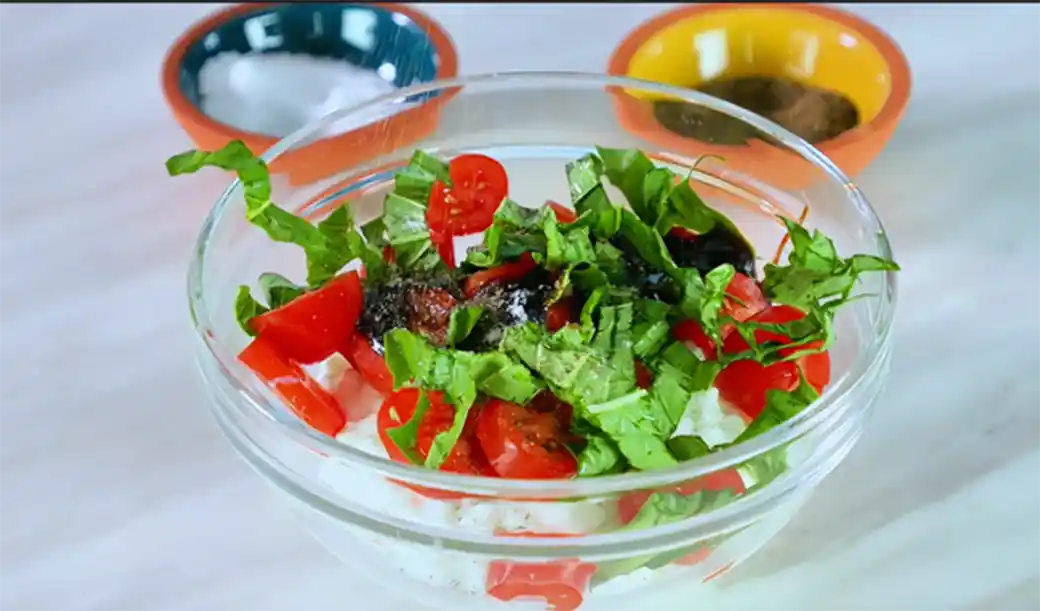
x=252, y=393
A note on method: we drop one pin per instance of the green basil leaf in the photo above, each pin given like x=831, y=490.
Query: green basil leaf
x=406, y=436
x=278, y=290
x=462, y=322
x=688, y=447
x=327, y=246
x=460, y=375
x=600, y=456
x=780, y=407
x=247, y=308
x=627, y=169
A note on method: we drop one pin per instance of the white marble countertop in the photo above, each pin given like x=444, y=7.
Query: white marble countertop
x=119, y=493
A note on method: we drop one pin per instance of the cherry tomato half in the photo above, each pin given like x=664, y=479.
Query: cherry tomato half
x=644, y=377
x=744, y=300
x=316, y=324
x=559, y=314
x=563, y=213
x=301, y=393
x=397, y=410
x=743, y=384
x=479, y=184
x=372, y=367
x=522, y=443
x=513, y=271
x=560, y=583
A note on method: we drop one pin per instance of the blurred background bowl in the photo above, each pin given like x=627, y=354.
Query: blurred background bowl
x=402, y=46
x=828, y=50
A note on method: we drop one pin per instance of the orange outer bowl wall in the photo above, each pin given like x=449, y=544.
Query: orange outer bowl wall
x=851, y=151
x=326, y=156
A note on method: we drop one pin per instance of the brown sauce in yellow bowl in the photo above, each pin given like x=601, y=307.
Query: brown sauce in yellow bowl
x=812, y=113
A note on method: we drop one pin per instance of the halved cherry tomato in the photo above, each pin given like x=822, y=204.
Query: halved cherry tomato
x=465, y=457
x=744, y=300
x=683, y=233
x=397, y=410
x=547, y=403
x=301, y=393
x=479, y=184
x=563, y=213
x=522, y=443
x=560, y=583
x=697, y=556
x=507, y=272
x=743, y=384
x=559, y=314
x=316, y=324
x=369, y=364
x=644, y=377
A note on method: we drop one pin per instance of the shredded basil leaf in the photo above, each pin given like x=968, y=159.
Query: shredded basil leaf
x=329, y=246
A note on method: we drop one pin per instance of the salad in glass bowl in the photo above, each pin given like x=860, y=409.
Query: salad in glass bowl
x=495, y=359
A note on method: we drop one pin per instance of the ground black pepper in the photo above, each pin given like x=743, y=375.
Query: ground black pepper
x=812, y=113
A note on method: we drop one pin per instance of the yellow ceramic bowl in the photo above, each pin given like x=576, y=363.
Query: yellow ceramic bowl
x=813, y=44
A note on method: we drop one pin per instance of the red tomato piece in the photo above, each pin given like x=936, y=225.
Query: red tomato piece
x=563, y=213
x=437, y=220
x=522, y=443
x=479, y=184
x=301, y=393
x=690, y=332
x=560, y=583
x=683, y=233
x=744, y=300
x=316, y=324
x=697, y=556
x=513, y=271
x=644, y=377
x=366, y=361
x=559, y=314
x=397, y=410
x=743, y=384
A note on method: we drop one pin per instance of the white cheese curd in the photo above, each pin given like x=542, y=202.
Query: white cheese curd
x=704, y=416
x=708, y=417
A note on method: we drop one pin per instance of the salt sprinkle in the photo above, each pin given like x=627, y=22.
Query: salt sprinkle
x=277, y=93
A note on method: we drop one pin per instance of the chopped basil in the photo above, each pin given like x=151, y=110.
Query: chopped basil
x=247, y=308
x=615, y=259
x=329, y=246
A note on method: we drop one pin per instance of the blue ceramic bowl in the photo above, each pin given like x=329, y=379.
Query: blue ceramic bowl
x=400, y=44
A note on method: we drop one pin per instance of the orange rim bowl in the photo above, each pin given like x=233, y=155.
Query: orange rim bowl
x=814, y=44
x=328, y=155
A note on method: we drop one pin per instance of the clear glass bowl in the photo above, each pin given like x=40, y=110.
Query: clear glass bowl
x=448, y=552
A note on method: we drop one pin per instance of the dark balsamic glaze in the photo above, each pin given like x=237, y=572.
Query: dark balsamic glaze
x=810, y=112
x=423, y=304
x=710, y=250
x=703, y=253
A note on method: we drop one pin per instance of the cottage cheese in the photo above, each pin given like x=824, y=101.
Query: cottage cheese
x=704, y=416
